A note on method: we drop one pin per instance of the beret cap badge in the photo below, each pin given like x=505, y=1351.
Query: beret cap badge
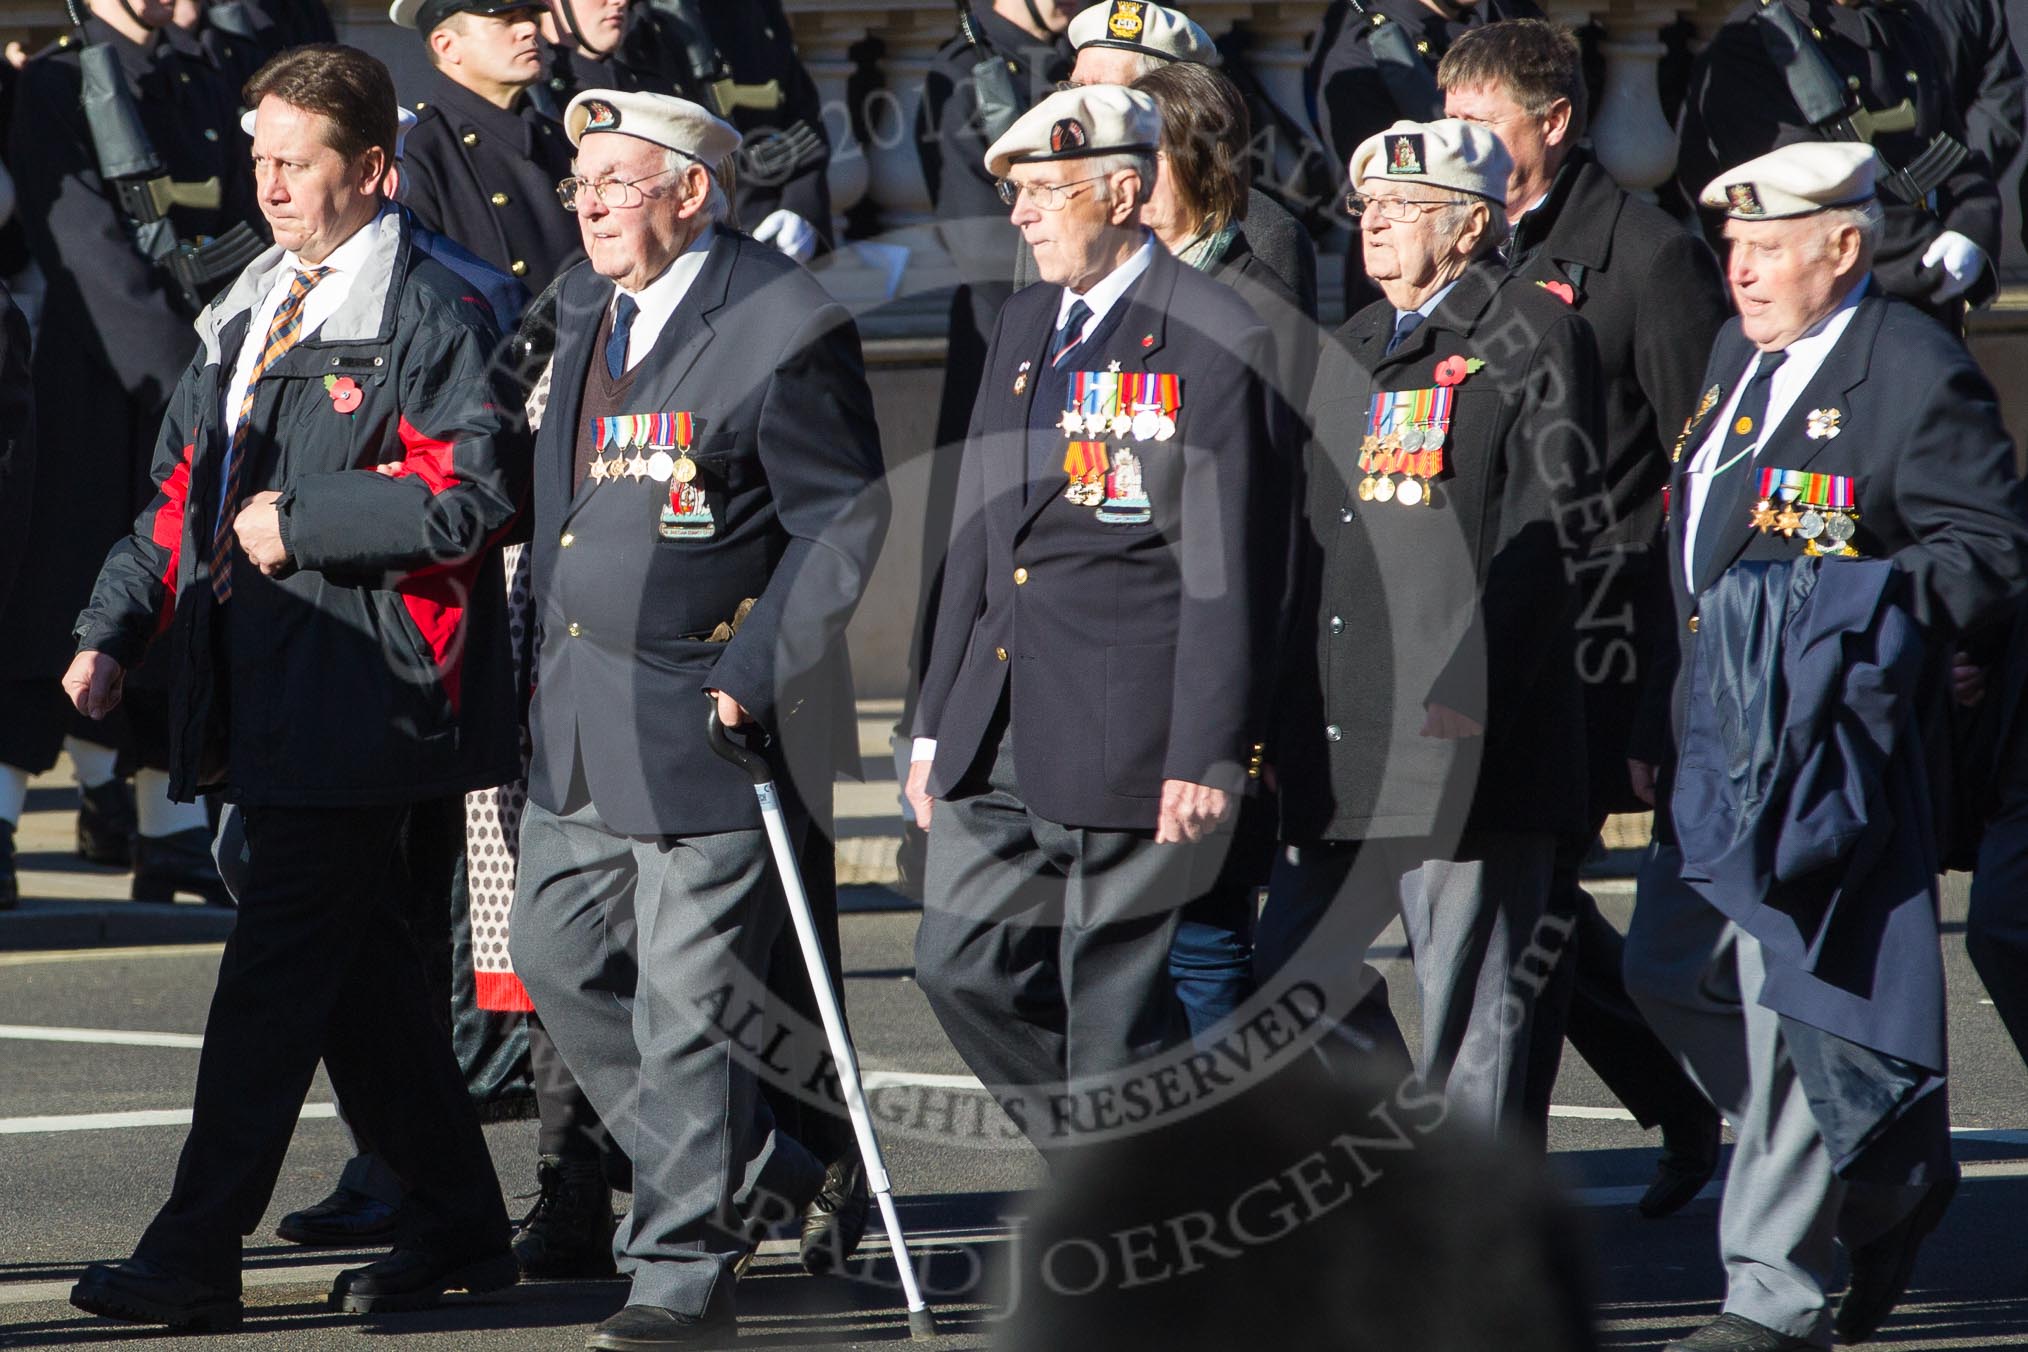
x=1125, y=21
x=1404, y=154
x=600, y=116
x=1743, y=199
x=1068, y=134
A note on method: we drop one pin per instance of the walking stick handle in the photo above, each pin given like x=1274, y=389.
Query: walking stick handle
x=746, y=746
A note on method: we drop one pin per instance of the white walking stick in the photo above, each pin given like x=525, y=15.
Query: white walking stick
x=753, y=759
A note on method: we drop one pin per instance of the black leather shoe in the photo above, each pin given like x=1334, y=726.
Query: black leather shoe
x=345, y=1219
x=142, y=1292
x=415, y=1279
x=1689, y=1159
x=166, y=865
x=569, y=1231
x=10, y=881
x=835, y=1220
x=1882, y=1267
x=106, y=824
x=1731, y=1333
x=644, y=1328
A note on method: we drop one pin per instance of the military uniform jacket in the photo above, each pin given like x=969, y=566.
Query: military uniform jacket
x=1129, y=650
x=486, y=176
x=1654, y=299
x=788, y=460
x=1919, y=434
x=1739, y=107
x=375, y=669
x=115, y=337
x=1466, y=601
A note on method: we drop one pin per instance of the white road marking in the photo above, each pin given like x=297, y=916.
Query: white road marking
x=105, y=1037
x=110, y=954
x=145, y=1117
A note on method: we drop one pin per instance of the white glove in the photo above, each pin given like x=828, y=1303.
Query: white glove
x=791, y=234
x=1963, y=263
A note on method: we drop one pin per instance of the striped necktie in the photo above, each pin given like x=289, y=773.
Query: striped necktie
x=283, y=331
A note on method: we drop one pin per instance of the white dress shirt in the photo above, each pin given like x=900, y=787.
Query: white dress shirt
x=1427, y=308
x=658, y=299
x=1791, y=378
x=1107, y=290
x=323, y=301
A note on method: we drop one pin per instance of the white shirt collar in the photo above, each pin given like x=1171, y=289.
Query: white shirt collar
x=353, y=253
x=1107, y=290
x=660, y=298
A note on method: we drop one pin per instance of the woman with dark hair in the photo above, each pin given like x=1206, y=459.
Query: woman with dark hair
x=1198, y=207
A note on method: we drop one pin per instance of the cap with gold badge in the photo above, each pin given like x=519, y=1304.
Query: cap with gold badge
x=1139, y=26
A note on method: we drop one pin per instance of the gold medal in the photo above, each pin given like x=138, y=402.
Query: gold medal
x=685, y=469
x=1366, y=489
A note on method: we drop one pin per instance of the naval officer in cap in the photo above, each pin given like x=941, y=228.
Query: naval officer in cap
x=1088, y=713
x=1431, y=748
x=1835, y=420
x=482, y=161
x=708, y=505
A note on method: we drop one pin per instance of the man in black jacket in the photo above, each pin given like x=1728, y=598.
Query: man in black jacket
x=1941, y=237
x=708, y=506
x=1836, y=421
x=482, y=163
x=1652, y=295
x=1088, y=715
x=332, y=470
x=1430, y=749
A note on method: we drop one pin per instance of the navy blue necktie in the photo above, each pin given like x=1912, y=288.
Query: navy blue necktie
x=1729, y=489
x=1066, y=340
x=616, y=346
x=1404, y=324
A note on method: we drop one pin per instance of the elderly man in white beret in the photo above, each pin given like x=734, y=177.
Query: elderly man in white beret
x=1431, y=747
x=708, y=505
x=1836, y=422
x=1091, y=706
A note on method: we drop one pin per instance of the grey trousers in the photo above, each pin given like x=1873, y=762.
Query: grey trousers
x=1044, y=949
x=622, y=943
x=1471, y=922
x=1697, y=978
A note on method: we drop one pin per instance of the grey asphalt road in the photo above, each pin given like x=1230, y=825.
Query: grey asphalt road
x=71, y=1195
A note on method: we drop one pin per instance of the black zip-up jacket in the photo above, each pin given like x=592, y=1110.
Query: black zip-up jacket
x=374, y=669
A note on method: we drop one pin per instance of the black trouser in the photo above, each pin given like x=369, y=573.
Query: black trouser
x=1586, y=1000
x=319, y=966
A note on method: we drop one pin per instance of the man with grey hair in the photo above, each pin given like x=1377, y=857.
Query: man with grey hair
x=1430, y=749
x=708, y=506
x=1089, y=713
x=1837, y=422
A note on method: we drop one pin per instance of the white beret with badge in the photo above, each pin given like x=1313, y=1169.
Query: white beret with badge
x=1449, y=153
x=1079, y=124
x=1795, y=180
x=1139, y=26
x=662, y=119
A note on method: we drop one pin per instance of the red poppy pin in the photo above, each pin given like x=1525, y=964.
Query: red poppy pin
x=1453, y=370
x=345, y=393
x=1561, y=290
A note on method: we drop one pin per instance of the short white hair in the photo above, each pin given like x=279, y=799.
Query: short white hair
x=1452, y=219
x=717, y=204
x=1866, y=217
x=1140, y=162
